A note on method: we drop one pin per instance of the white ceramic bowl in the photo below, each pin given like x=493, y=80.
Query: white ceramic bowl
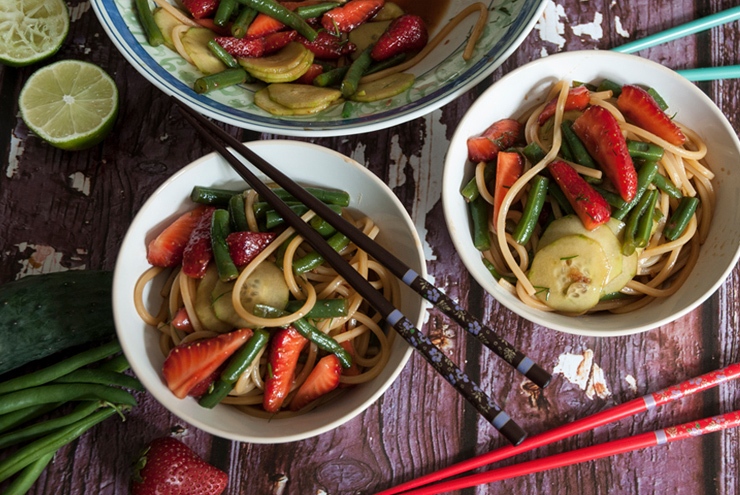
x=139, y=342
x=441, y=77
x=527, y=86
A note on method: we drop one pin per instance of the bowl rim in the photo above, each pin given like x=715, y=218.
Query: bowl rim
x=143, y=368
x=450, y=194
x=117, y=30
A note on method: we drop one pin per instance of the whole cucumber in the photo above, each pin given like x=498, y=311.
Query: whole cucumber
x=41, y=315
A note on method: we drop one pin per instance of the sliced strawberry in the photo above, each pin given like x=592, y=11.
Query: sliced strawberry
x=245, y=246
x=577, y=99
x=500, y=135
x=262, y=25
x=204, y=385
x=600, y=133
x=276, y=41
x=640, y=108
x=286, y=345
x=242, y=47
x=219, y=30
x=323, y=379
x=198, y=253
x=405, y=34
x=509, y=167
x=589, y=205
x=350, y=15
x=308, y=77
x=188, y=365
x=326, y=46
x=200, y=8
x=167, y=248
x=181, y=321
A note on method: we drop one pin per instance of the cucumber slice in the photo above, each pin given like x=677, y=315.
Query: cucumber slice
x=203, y=309
x=387, y=87
x=265, y=285
x=195, y=41
x=302, y=96
x=165, y=22
x=570, y=273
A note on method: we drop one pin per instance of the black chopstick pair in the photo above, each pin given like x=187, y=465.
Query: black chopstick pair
x=439, y=361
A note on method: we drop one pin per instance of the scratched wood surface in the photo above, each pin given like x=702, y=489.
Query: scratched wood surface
x=62, y=210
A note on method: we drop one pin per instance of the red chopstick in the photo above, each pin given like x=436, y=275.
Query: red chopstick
x=635, y=406
x=658, y=437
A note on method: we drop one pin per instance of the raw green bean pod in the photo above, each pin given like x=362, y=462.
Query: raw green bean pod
x=82, y=410
x=21, y=416
x=63, y=392
x=28, y=475
x=102, y=377
x=530, y=216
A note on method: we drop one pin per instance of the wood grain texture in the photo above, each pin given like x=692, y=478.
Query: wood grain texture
x=71, y=210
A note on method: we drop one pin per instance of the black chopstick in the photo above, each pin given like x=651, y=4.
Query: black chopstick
x=428, y=291
x=439, y=361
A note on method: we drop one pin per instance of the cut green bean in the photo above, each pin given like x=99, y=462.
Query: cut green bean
x=357, y=69
x=223, y=79
x=243, y=19
x=328, y=196
x=239, y=363
x=470, y=190
x=495, y=273
x=63, y=392
x=664, y=184
x=324, y=228
x=640, y=150
x=219, y=230
x=331, y=77
x=577, y=148
x=645, y=224
x=101, y=377
x=323, y=341
x=151, y=30
x=82, y=410
x=313, y=259
x=609, y=85
x=658, y=99
x=348, y=108
x=680, y=218
x=315, y=10
x=630, y=228
x=261, y=207
x=557, y=194
x=284, y=15
x=237, y=214
x=533, y=153
x=614, y=199
x=28, y=475
x=535, y=202
x=211, y=195
x=50, y=443
x=479, y=217
x=273, y=218
x=224, y=56
x=224, y=11
x=322, y=309
x=59, y=369
x=386, y=64
x=645, y=176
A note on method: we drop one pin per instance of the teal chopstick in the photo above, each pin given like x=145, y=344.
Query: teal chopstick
x=677, y=32
x=711, y=73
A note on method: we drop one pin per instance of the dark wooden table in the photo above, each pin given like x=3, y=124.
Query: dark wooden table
x=69, y=210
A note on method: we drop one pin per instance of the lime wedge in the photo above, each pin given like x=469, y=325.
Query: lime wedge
x=31, y=30
x=70, y=104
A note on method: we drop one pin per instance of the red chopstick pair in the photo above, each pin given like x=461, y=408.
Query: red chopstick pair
x=423, y=486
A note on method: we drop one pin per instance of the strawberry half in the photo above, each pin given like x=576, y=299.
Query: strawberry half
x=500, y=135
x=245, y=246
x=200, y=8
x=323, y=379
x=198, y=252
x=286, y=345
x=407, y=33
x=308, y=76
x=600, y=133
x=255, y=47
x=640, y=108
x=350, y=15
x=169, y=467
x=263, y=25
x=589, y=205
x=167, y=248
x=188, y=365
x=326, y=46
x=577, y=99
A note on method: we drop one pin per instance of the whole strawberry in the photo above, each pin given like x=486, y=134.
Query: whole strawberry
x=407, y=33
x=169, y=467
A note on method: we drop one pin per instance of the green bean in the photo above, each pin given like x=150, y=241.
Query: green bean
x=329, y=196
x=386, y=64
x=645, y=176
x=533, y=153
x=680, y=218
x=658, y=99
x=495, y=273
x=224, y=12
x=612, y=296
x=273, y=219
x=323, y=341
x=645, y=224
x=50, y=443
x=220, y=53
x=241, y=360
x=357, y=69
x=348, y=108
x=284, y=15
x=61, y=368
x=28, y=476
x=151, y=30
x=557, y=194
x=237, y=214
x=212, y=195
x=12, y=419
x=630, y=228
x=608, y=85
x=661, y=182
x=101, y=377
x=322, y=309
x=117, y=363
x=532, y=209
x=331, y=77
x=315, y=10
x=479, y=217
x=82, y=410
x=565, y=151
x=243, y=19
x=470, y=190
x=219, y=230
x=324, y=228
x=578, y=150
x=612, y=198
x=223, y=79
x=313, y=259
x=63, y=392
x=640, y=150
x=261, y=207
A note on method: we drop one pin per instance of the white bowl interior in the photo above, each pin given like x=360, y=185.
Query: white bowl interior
x=441, y=77
x=527, y=86
x=308, y=164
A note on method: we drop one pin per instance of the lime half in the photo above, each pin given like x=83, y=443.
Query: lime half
x=70, y=104
x=31, y=30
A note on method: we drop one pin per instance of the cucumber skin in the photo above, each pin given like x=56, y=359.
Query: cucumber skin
x=41, y=315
